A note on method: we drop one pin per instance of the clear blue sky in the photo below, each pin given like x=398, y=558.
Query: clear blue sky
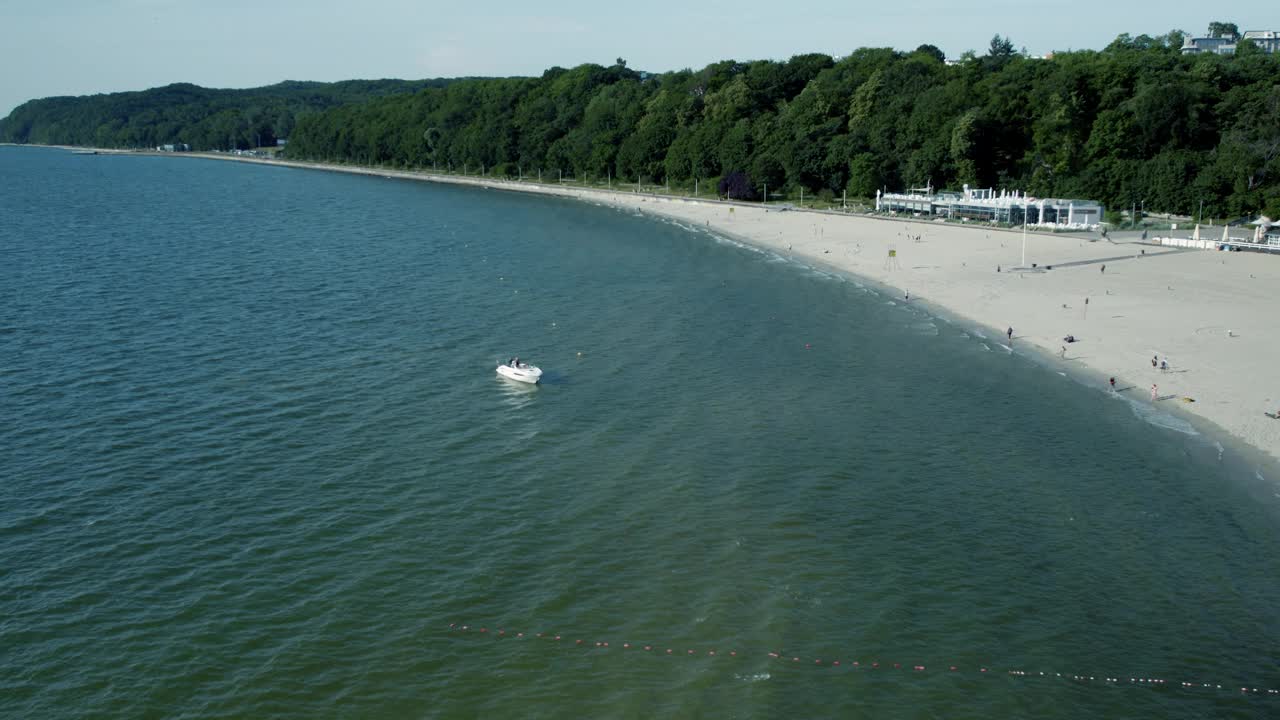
x=75, y=47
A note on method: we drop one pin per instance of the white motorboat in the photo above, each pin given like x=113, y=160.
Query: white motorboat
x=520, y=372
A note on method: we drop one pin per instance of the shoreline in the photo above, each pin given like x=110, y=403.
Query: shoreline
x=1207, y=313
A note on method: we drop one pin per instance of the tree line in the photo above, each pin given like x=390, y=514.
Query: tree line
x=1137, y=123
x=204, y=118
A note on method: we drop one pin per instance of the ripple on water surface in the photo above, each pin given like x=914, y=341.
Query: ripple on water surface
x=257, y=461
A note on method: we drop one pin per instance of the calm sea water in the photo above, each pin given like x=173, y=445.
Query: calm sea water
x=254, y=461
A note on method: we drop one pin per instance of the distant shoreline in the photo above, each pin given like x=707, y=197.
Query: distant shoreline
x=1206, y=313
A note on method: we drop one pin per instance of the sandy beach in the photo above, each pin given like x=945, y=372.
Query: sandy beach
x=1209, y=315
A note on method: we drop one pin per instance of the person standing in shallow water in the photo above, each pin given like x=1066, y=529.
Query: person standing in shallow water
x=1113, y=384
x=1009, y=333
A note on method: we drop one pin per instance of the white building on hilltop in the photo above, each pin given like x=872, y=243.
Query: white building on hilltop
x=985, y=205
x=1266, y=40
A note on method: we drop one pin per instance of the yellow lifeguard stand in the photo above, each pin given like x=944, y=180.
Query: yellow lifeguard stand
x=891, y=260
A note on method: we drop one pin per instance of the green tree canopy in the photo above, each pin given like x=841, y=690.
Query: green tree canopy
x=1135, y=122
x=1223, y=29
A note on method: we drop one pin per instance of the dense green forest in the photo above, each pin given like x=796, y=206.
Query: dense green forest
x=1135, y=123
x=205, y=119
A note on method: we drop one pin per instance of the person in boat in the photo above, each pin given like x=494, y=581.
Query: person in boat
x=516, y=362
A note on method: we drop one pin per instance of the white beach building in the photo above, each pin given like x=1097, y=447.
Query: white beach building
x=986, y=205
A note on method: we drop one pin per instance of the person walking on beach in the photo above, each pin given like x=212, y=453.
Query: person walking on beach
x=1104, y=269
x=1163, y=366
x=1154, y=362
x=1154, y=393
x=1009, y=332
x=1063, y=352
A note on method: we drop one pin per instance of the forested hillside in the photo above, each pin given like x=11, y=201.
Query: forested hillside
x=1136, y=123
x=205, y=119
